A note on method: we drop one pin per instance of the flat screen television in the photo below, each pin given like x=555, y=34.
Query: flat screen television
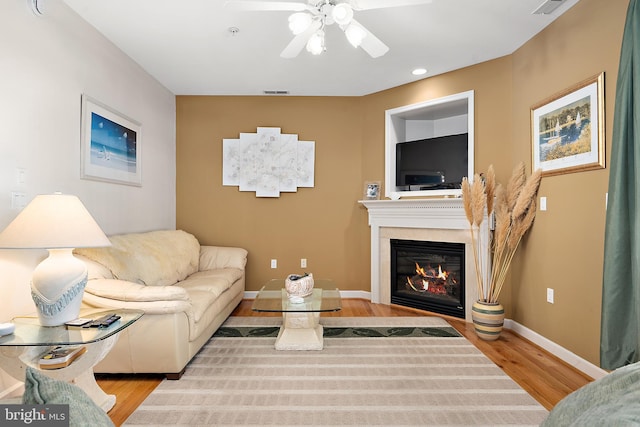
x=432, y=163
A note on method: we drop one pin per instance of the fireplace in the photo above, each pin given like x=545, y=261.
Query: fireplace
x=428, y=275
x=432, y=220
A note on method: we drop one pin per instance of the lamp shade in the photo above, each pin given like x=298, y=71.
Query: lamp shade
x=59, y=223
x=53, y=221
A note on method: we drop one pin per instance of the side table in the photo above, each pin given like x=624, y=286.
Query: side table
x=30, y=340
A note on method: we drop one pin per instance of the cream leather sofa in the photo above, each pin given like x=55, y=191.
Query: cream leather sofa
x=185, y=290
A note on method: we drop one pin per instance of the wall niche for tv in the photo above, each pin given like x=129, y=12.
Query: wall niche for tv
x=429, y=126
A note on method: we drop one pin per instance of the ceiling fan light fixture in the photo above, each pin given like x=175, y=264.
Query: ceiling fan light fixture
x=299, y=22
x=342, y=14
x=315, y=45
x=355, y=34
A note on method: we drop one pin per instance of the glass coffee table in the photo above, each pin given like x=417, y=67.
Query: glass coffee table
x=300, y=328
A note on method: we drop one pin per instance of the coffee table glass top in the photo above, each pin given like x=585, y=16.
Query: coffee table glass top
x=29, y=332
x=273, y=298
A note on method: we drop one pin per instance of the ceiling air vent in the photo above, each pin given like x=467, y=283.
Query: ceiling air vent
x=276, y=92
x=547, y=7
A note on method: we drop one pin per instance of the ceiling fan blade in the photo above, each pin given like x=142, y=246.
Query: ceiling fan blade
x=370, y=43
x=379, y=4
x=298, y=43
x=251, y=5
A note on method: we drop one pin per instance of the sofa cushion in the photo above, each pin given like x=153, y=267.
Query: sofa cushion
x=121, y=290
x=156, y=258
x=227, y=275
x=200, y=303
x=206, y=286
x=214, y=257
x=42, y=390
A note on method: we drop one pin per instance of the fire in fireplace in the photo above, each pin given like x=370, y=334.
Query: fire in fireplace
x=428, y=275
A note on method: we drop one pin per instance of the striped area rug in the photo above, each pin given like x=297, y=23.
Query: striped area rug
x=392, y=380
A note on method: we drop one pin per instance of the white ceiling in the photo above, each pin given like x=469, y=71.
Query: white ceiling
x=186, y=44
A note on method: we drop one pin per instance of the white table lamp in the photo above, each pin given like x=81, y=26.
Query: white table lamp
x=59, y=223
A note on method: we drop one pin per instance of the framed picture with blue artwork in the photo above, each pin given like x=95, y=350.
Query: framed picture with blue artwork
x=567, y=129
x=111, y=149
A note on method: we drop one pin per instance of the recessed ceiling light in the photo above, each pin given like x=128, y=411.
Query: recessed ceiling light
x=419, y=71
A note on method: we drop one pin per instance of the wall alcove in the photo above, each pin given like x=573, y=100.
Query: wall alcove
x=445, y=116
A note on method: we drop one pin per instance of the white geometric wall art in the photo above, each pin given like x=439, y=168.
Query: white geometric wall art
x=268, y=162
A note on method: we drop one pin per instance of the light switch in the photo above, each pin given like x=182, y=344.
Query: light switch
x=543, y=203
x=18, y=200
x=21, y=176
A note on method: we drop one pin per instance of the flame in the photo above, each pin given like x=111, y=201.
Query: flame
x=430, y=279
x=442, y=274
x=420, y=270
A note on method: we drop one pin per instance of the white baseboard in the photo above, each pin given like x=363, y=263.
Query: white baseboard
x=356, y=294
x=569, y=357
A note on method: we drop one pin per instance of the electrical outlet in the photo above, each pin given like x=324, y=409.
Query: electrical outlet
x=543, y=203
x=550, y=295
x=303, y=263
x=274, y=263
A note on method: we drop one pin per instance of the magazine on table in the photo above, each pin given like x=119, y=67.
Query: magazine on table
x=61, y=356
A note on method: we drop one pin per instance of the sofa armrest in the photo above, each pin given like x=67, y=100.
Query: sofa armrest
x=122, y=290
x=215, y=257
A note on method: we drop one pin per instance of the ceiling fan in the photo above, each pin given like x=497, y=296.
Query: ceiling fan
x=309, y=20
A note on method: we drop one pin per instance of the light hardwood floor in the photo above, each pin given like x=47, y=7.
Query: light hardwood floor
x=544, y=376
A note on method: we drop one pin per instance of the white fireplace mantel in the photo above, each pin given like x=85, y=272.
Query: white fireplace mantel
x=417, y=213
x=420, y=219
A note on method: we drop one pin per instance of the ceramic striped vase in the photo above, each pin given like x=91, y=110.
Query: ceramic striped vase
x=488, y=318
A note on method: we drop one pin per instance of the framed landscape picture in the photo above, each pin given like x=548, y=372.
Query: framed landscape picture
x=567, y=129
x=110, y=145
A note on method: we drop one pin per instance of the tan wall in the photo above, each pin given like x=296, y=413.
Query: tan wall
x=326, y=225
x=565, y=249
x=323, y=224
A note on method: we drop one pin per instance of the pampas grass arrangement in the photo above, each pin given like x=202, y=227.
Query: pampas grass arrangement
x=514, y=209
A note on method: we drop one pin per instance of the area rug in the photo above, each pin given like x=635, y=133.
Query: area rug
x=395, y=371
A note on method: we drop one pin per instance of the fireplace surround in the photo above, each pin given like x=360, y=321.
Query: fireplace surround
x=435, y=220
